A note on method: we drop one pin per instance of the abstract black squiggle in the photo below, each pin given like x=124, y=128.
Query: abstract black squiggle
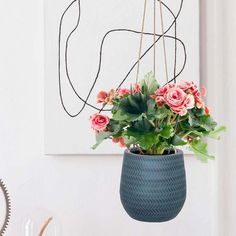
x=85, y=101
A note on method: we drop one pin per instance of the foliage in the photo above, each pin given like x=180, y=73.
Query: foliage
x=151, y=118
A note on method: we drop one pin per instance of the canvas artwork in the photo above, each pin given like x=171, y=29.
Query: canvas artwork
x=93, y=45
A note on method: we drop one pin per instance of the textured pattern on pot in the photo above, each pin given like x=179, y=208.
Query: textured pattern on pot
x=153, y=188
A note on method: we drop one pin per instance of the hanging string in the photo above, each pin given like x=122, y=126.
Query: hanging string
x=154, y=38
x=141, y=39
x=163, y=40
x=176, y=50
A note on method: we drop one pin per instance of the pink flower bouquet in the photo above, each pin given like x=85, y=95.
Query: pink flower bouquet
x=153, y=120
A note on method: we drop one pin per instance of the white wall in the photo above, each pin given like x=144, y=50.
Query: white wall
x=81, y=192
x=226, y=65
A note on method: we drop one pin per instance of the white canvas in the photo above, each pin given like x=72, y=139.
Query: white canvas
x=66, y=135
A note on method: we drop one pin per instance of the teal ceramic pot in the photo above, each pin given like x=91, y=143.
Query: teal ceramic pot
x=153, y=188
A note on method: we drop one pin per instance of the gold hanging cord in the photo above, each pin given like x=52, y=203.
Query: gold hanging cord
x=141, y=39
x=154, y=35
x=163, y=41
x=154, y=38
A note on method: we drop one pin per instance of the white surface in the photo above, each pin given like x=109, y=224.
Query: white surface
x=223, y=68
x=66, y=135
x=218, y=66
x=82, y=192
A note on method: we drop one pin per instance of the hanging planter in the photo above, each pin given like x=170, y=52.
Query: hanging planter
x=152, y=121
x=153, y=188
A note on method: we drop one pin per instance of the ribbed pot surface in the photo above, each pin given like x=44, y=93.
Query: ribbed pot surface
x=153, y=188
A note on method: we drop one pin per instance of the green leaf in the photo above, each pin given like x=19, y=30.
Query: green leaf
x=185, y=124
x=130, y=140
x=148, y=140
x=159, y=113
x=161, y=146
x=162, y=113
x=192, y=133
x=151, y=107
x=115, y=128
x=207, y=123
x=100, y=137
x=134, y=104
x=143, y=125
x=167, y=132
x=145, y=140
x=115, y=107
x=215, y=134
x=178, y=141
x=124, y=116
x=198, y=112
x=149, y=84
x=198, y=119
x=196, y=133
x=200, y=150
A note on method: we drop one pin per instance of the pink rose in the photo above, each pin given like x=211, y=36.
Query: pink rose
x=160, y=101
x=122, y=92
x=99, y=122
x=175, y=99
x=199, y=104
x=185, y=85
x=198, y=98
x=102, y=96
x=136, y=88
x=163, y=90
x=189, y=101
x=182, y=111
x=191, y=88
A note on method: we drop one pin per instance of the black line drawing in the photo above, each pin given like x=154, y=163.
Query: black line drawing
x=123, y=30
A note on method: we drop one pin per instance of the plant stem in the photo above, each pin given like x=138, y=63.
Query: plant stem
x=156, y=123
x=174, y=117
x=140, y=150
x=169, y=119
x=152, y=123
x=173, y=122
x=187, y=134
